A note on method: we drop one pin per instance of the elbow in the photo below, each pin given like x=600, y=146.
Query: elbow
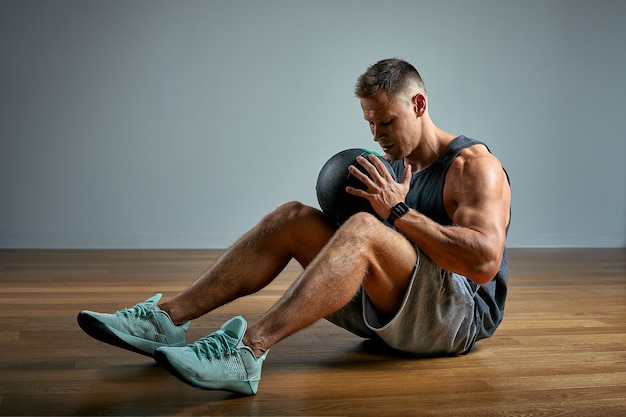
x=485, y=269
x=481, y=278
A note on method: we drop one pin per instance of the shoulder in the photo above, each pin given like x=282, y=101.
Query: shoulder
x=475, y=160
x=475, y=178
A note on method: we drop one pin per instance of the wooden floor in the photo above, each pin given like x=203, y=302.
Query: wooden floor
x=561, y=349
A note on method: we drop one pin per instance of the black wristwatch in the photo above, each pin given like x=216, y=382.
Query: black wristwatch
x=397, y=211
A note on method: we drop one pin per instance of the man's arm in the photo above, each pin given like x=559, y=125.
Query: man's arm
x=477, y=199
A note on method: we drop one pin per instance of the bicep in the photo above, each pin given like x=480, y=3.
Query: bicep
x=481, y=200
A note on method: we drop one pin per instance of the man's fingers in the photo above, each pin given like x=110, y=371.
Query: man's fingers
x=361, y=176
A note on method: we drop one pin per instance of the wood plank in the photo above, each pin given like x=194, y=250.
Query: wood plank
x=561, y=349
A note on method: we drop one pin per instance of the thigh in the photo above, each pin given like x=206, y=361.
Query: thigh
x=391, y=260
x=436, y=317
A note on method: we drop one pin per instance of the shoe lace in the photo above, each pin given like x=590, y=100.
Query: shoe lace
x=215, y=345
x=139, y=311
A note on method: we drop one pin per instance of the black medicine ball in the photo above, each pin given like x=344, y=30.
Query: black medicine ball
x=332, y=181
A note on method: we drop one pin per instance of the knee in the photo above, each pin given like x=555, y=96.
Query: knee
x=362, y=227
x=363, y=221
x=293, y=211
x=299, y=229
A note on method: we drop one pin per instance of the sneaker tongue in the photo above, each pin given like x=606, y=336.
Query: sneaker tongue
x=152, y=301
x=235, y=328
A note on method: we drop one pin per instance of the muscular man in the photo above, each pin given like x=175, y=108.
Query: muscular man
x=431, y=280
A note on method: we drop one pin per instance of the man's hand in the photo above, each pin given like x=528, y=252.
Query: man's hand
x=382, y=191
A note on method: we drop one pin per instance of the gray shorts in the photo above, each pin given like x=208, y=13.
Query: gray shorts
x=436, y=316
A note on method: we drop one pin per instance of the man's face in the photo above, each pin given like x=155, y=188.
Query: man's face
x=392, y=122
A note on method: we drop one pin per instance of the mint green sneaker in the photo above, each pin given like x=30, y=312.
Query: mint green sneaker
x=140, y=329
x=217, y=361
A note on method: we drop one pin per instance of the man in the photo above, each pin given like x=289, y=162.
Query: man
x=431, y=280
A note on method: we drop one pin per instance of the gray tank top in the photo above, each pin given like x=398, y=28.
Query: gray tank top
x=426, y=196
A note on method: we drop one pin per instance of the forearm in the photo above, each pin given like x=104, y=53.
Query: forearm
x=465, y=251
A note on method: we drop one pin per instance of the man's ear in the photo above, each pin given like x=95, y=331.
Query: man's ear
x=419, y=103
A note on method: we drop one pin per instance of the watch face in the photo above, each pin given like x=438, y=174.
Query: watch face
x=397, y=211
x=400, y=209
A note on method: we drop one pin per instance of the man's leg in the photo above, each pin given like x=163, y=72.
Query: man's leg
x=363, y=252
x=293, y=231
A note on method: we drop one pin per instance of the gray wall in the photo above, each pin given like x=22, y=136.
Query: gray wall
x=163, y=124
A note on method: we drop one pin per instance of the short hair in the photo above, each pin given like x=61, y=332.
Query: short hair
x=394, y=76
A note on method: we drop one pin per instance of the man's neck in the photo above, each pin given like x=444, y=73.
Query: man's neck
x=431, y=146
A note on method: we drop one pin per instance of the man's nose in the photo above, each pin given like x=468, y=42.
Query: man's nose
x=377, y=131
